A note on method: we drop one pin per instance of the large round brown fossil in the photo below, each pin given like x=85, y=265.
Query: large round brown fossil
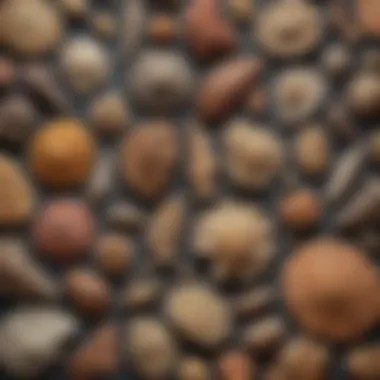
x=331, y=289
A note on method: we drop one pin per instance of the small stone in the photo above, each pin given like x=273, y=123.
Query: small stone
x=206, y=32
x=363, y=362
x=225, y=87
x=29, y=27
x=141, y=294
x=164, y=231
x=300, y=210
x=148, y=158
x=199, y=314
x=85, y=64
x=330, y=289
x=242, y=10
x=312, y=151
x=88, y=292
x=371, y=61
x=257, y=102
x=253, y=155
x=375, y=147
x=340, y=122
x=75, y=9
x=7, y=72
x=298, y=93
x=368, y=12
x=193, y=368
x=20, y=276
x=61, y=153
x=288, y=29
x=161, y=80
x=17, y=120
x=236, y=365
x=115, y=254
x=342, y=21
x=126, y=216
x=17, y=197
x=64, y=230
x=151, y=349
x=236, y=238
x=162, y=29
x=265, y=336
x=33, y=338
x=336, y=60
x=104, y=25
x=96, y=356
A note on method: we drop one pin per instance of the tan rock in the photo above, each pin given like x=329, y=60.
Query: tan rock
x=141, y=293
x=193, y=368
x=162, y=29
x=363, y=362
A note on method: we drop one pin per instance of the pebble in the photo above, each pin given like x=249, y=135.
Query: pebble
x=375, y=147
x=236, y=365
x=336, y=60
x=312, y=151
x=162, y=29
x=265, y=336
x=236, y=238
x=341, y=122
x=151, y=348
x=33, y=338
x=115, y=254
x=193, y=368
x=225, y=87
x=330, y=289
x=298, y=93
x=7, y=72
x=75, y=9
x=363, y=362
x=126, y=216
x=20, y=276
x=164, y=231
x=199, y=314
x=18, y=118
x=61, y=153
x=17, y=196
x=30, y=28
x=97, y=356
x=241, y=10
x=161, y=80
x=368, y=13
x=371, y=61
x=288, y=29
x=148, y=158
x=141, y=293
x=342, y=22
x=88, y=292
x=85, y=64
x=257, y=102
x=300, y=210
x=104, y=25
x=207, y=33
x=64, y=230
x=253, y=155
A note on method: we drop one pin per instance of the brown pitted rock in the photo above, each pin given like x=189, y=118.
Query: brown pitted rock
x=61, y=153
x=236, y=365
x=64, y=230
x=206, y=32
x=368, y=12
x=237, y=238
x=193, y=368
x=97, y=356
x=148, y=158
x=363, y=362
x=88, y=292
x=225, y=88
x=330, y=289
x=17, y=197
x=199, y=314
x=162, y=29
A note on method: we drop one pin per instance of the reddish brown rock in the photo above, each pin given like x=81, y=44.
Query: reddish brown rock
x=7, y=72
x=207, y=34
x=225, y=87
x=368, y=12
x=97, y=356
x=236, y=365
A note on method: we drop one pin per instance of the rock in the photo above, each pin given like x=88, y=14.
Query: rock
x=199, y=314
x=109, y=114
x=257, y=101
x=236, y=365
x=342, y=21
x=30, y=28
x=96, y=356
x=17, y=120
x=7, y=72
x=74, y=9
x=242, y=10
x=340, y=122
x=161, y=80
x=20, y=276
x=288, y=29
x=368, y=13
x=336, y=60
x=363, y=362
x=88, y=292
x=300, y=210
x=236, y=238
x=370, y=61
x=206, y=32
x=61, y=153
x=85, y=64
x=162, y=29
x=64, y=230
x=17, y=197
x=164, y=231
x=312, y=151
x=225, y=87
x=253, y=155
x=126, y=216
x=330, y=289
x=141, y=294
x=193, y=368
x=33, y=338
x=151, y=348
x=115, y=254
x=148, y=158
x=298, y=93
x=375, y=147
x=104, y=24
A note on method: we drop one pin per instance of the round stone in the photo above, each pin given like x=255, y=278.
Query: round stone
x=61, y=153
x=336, y=60
x=193, y=368
x=330, y=289
x=235, y=365
x=64, y=230
x=162, y=29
